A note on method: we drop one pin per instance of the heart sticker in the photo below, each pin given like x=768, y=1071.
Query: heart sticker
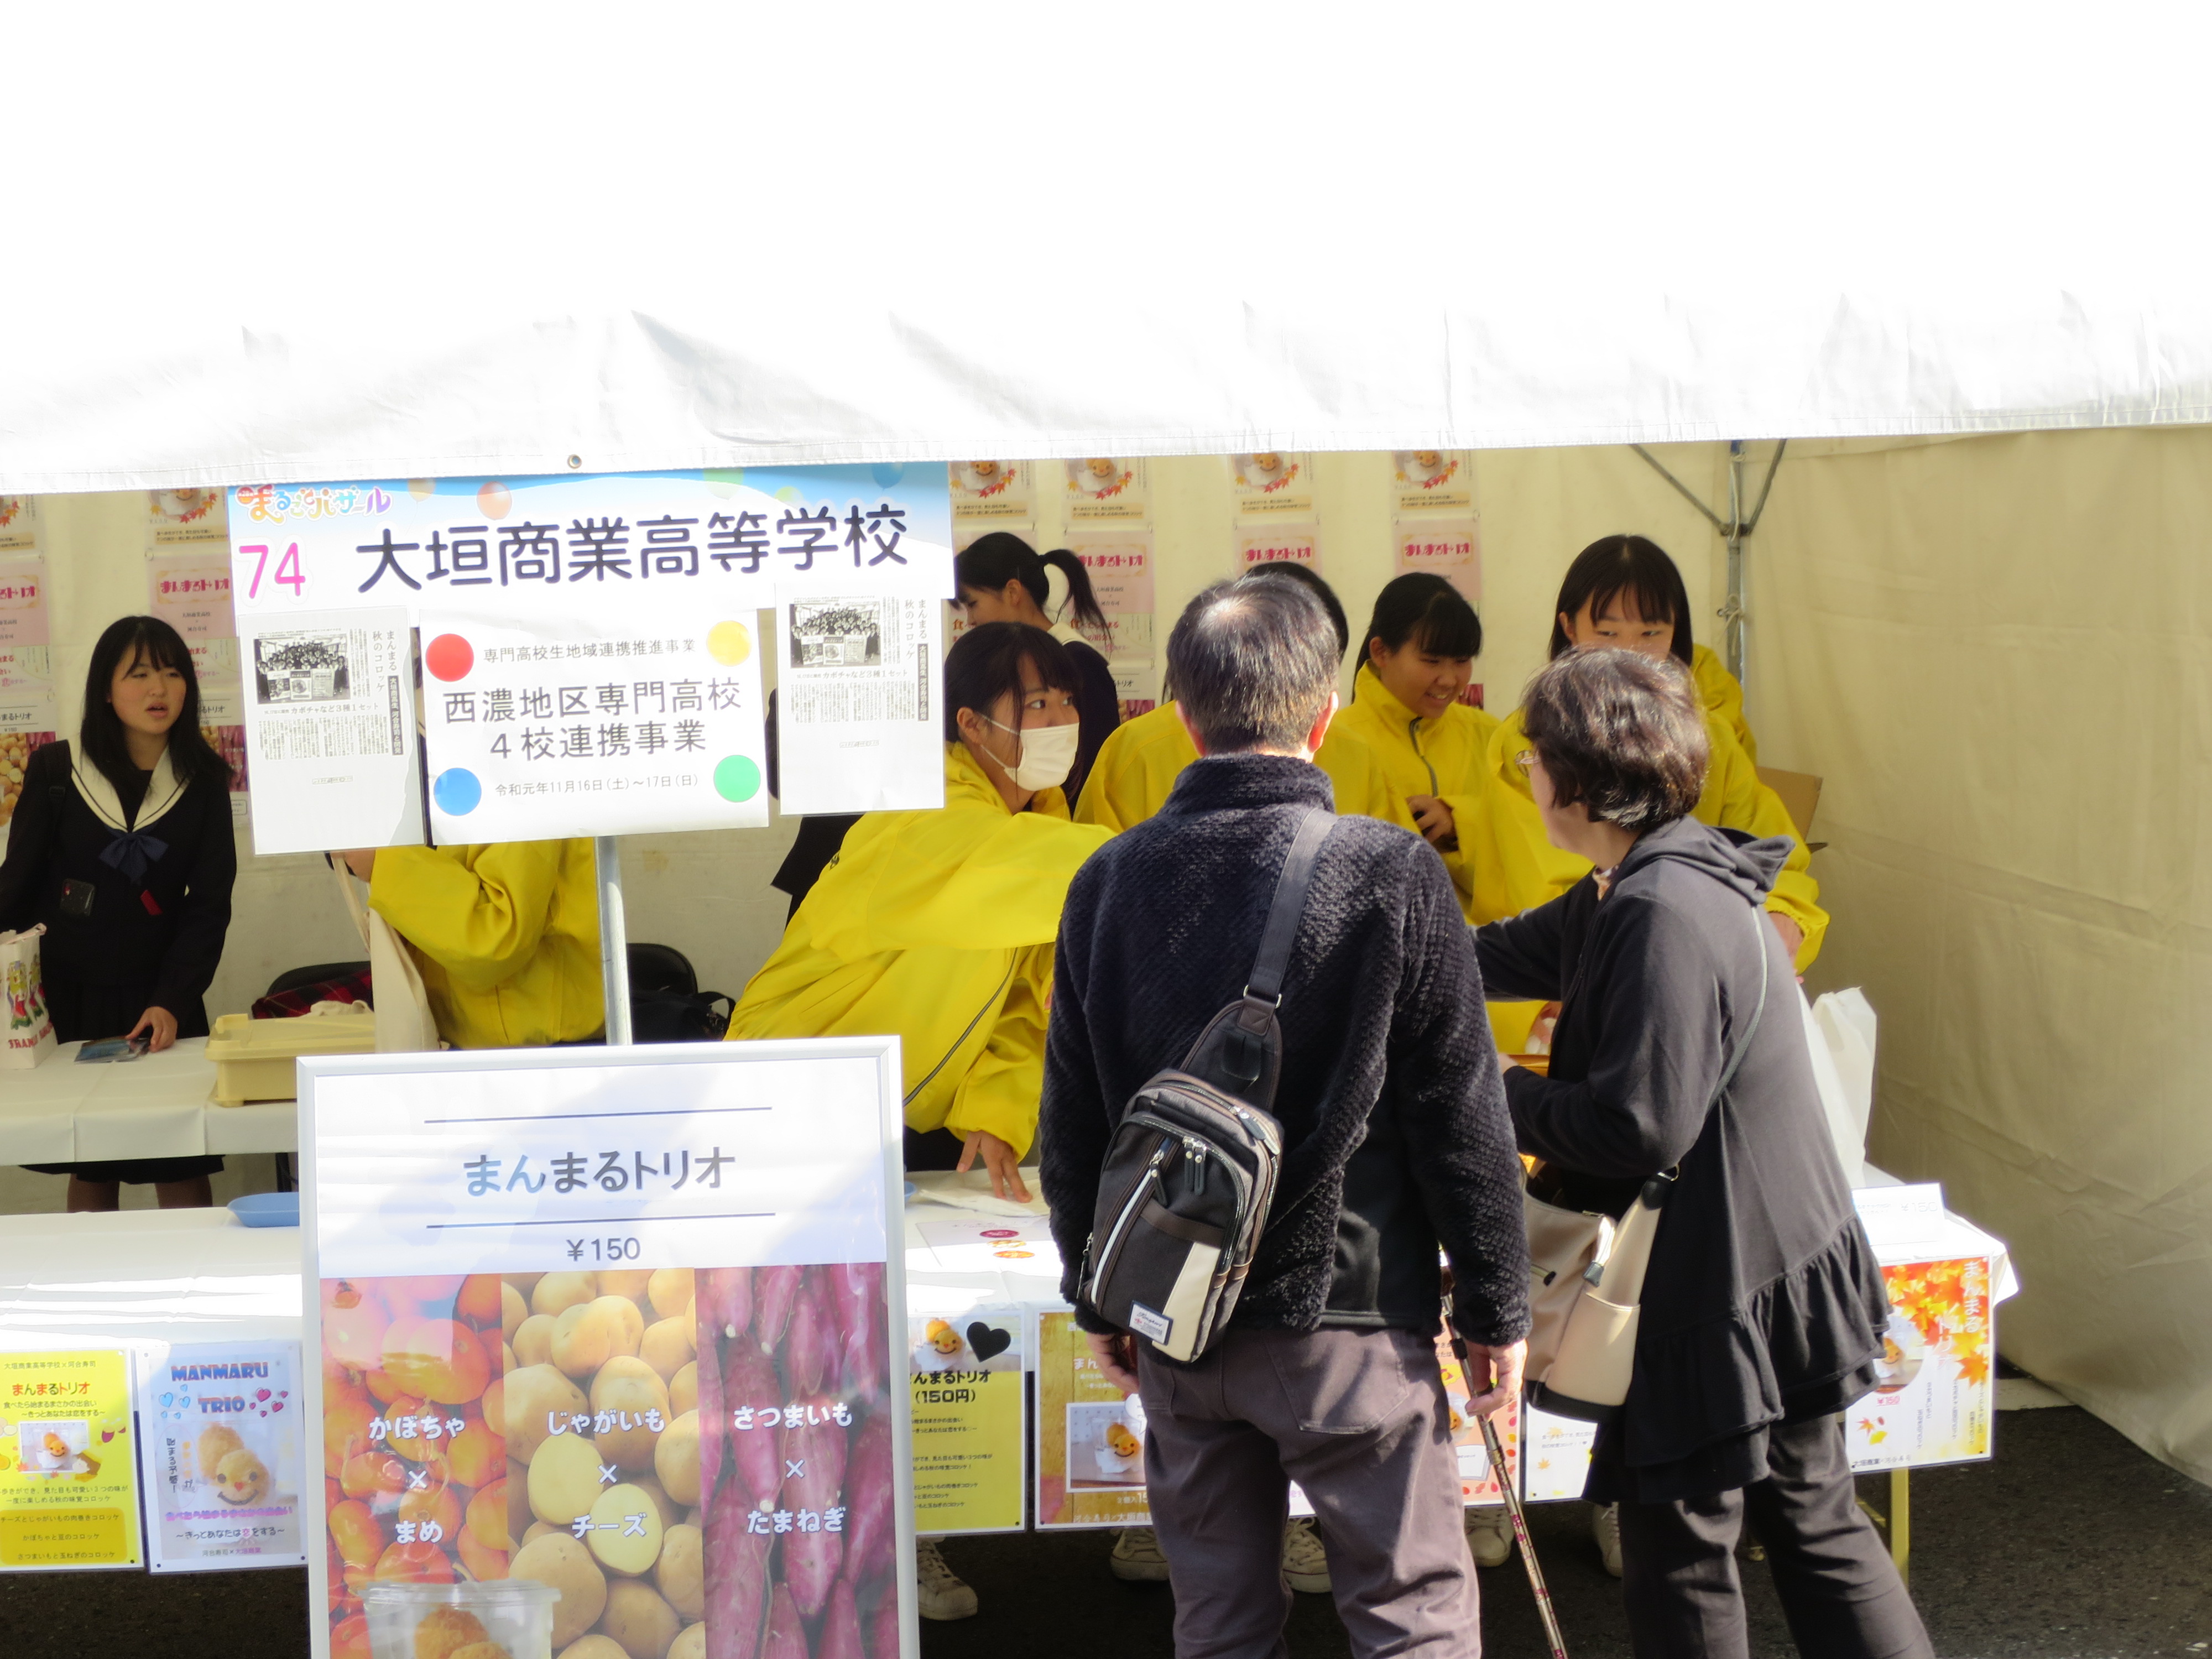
x=262, y=1395
x=278, y=1406
x=987, y=1339
x=168, y=1398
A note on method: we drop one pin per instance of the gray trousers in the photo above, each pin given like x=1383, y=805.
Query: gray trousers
x=1358, y=1418
x=1838, y=1587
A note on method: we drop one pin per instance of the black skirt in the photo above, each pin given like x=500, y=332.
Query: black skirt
x=89, y=1013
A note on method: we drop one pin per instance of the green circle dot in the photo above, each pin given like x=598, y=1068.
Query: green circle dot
x=737, y=777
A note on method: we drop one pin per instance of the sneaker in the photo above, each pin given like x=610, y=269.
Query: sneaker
x=1306, y=1564
x=945, y=1593
x=1137, y=1557
x=1605, y=1528
x=1489, y=1536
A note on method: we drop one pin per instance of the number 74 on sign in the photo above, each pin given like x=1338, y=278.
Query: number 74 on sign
x=288, y=573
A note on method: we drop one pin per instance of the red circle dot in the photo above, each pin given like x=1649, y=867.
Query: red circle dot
x=449, y=657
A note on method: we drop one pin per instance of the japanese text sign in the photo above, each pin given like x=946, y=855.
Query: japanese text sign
x=68, y=1483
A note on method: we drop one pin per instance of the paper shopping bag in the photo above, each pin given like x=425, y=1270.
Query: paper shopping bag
x=30, y=1029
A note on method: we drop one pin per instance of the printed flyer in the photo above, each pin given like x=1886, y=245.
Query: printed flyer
x=224, y=1452
x=1280, y=544
x=1452, y=548
x=27, y=726
x=1433, y=480
x=222, y=723
x=1001, y=493
x=1107, y=489
x=1935, y=1398
x=190, y=591
x=1272, y=484
x=181, y=518
x=22, y=600
x=1090, y=1436
x=860, y=724
x=69, y=1481
x=1477, y=1481
x=1120, y=563
x=970, y=1453
x=19, y=523
x=622, y=1327
x=1556, y=1456
x=1137, y=684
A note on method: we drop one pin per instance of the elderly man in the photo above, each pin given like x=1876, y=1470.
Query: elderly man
x=1395, y=1138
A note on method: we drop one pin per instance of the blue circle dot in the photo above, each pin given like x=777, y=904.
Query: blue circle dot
x=457, y=791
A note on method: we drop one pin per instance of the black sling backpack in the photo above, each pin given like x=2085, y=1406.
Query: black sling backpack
x=1190, y=1173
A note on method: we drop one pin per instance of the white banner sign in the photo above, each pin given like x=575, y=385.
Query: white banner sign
x=624, y=727
x=548, y=549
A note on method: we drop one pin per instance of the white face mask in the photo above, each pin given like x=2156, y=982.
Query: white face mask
x=1048, y=753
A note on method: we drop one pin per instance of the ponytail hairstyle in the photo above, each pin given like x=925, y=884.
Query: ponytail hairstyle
x=99, y=737
x=1635, y=566
x=1425, y=609
x=990, y=562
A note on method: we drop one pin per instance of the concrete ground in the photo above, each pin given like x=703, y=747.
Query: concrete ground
x=2071, y=1543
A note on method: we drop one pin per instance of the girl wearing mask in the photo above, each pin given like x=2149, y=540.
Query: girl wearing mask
x=1001, y=578
x=122, y=847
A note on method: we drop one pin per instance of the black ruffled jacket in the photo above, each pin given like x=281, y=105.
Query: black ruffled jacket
x=1764, y=1302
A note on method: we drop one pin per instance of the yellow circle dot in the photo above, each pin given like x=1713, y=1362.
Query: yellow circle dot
x=729, y=642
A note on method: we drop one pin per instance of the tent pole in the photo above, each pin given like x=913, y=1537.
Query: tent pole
x=614, y=942
x=1733, y=610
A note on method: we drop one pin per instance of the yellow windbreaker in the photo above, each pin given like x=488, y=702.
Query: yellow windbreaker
x=1733, y=799
x=937, y=927
x=1137, y=765
x=1720, y=693
x=507, y=936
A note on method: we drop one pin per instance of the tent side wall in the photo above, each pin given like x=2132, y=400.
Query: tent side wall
x=1996, y=650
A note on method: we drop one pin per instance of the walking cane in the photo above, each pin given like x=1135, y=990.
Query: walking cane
x=1504, y=1477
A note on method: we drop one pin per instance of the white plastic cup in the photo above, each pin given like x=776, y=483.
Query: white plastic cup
x=515, y=1612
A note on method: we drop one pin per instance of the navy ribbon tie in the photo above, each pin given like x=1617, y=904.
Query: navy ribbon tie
x=133, y=853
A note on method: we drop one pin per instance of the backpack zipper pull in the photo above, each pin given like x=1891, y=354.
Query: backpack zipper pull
x=1194, y=1166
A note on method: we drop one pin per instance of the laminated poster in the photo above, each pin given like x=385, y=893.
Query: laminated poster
x=22, y=600
x=224, y=1457
x=1272, y=483
x=1090, y=1436
x=999, y=494
x=1433, y=480
x=330, y=730
x=182, y=518
x=190, y=591
x=68, y=1481
x=1452, y=548
x=860, y=715
x=1107, y=489
x=1934, y=1398
x=19, y=523
x=27, y=726
x=970, y=1451
x=638, y=725
x=1556, y=1456
x=1279, y=544
x=620, y=1327
x=1120, y=563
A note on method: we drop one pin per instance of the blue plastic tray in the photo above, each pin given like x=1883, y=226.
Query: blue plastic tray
x=267, y=1209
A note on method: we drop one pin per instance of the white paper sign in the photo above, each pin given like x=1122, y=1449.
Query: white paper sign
x=859, y=703
x=223, y=1442
x=329, y=731
x=540, y=549
x=637, y=725
x=1901, y=1217
x=749, y=1153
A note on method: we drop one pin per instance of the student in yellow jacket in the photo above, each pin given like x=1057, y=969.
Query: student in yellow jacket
x=1624, y=591
x=1138, y=764
x=1722, y=694
x=507, y=937
x=939, y=926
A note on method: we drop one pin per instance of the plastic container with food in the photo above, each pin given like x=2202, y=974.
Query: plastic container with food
x=511, y=1618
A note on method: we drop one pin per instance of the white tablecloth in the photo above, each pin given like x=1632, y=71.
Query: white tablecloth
x=158, y=1107
x=131, y=1278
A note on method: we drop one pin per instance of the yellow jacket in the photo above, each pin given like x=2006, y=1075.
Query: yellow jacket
x=507, y=936
x=1733, y=799
x=937, y=927
x=1137, y=765
x=1718, y=690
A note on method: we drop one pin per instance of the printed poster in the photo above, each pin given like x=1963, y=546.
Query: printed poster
x=69, y=1477
x=1433, y=480
x=329, y=731
x=26, y=668
x=190, y=592
x=27, y=726
x=225, y=1463
x=1138, y=686
x=1451, y=548
x=1090, y=1436
x=1107, y=489
x=623, y=1326
x=19, y=523
x=1271, y=483
x=970, y=1451
x=182, y=518
x=1477, y=1481
x=1936, y=1396
x=642, y=724
x=222, y=723
x=1120, y=564
x=1000, y=494
x=1279, y=544
x=22, y=600
x=1556, y=1456
x=860, y=715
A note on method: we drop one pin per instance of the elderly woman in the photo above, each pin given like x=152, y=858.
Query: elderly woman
x=1762, y=1306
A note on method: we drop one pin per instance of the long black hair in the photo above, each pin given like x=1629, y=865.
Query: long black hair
x=1636, y=567
x=99, y=738
x=992, y=560
x=985, y=666
x=1423, y=607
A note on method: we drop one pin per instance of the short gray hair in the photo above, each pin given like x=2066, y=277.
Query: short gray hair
x=1252, y=664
